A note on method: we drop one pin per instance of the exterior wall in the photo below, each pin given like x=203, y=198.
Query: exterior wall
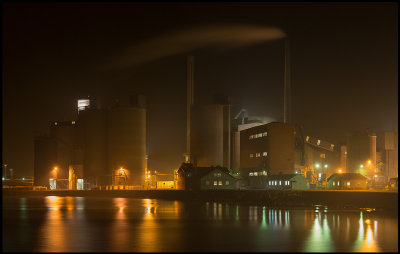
x=236, y=152
x=45, y=158
x=126, y=148
x=219, y=177
x=355, y=183
x=165, y=185
x=361, y=147
x=299, y=182
x=206, y=145
x=278, y=144
x=91, y=128
x=65, y=135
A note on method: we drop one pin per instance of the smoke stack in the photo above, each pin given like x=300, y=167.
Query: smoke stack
x=190, y=100
x=287, y=97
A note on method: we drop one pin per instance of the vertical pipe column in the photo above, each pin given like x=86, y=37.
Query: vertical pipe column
x=287, y=99
x=190, y=100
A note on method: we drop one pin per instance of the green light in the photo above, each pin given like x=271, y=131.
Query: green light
x=326, y=165
x=317, y=165
x=23, y=178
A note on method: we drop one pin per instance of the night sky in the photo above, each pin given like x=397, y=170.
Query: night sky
x=343, y=56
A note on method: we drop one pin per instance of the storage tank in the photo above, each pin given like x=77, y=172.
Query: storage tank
x=206, y=144
x=64, y=134
x=91, y=127
x=126, y=136
x=45, y=157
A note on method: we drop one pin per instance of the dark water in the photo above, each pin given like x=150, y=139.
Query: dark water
x=77, y=224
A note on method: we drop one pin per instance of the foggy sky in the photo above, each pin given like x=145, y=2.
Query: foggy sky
x=344, y=67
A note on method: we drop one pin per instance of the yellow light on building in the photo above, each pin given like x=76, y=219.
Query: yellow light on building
x=369, y=162
x=340, y=171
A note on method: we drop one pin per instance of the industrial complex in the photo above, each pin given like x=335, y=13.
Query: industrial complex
x=105, y=148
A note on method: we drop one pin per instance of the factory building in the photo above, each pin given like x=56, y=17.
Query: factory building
x=102, y=147
x=269, y=147
x=361, y=153
x=322, y=159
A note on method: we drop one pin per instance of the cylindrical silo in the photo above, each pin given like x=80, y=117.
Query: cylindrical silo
x=126, y=150
x=64, y=134
x=206, y=145
x=91, y=127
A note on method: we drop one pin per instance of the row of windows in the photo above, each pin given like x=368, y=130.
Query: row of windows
x=217, y=183
x=259, y=154
x=271, y=183
x=217, y=174
x=338, y=183
x=258, y=173
x=259, y=135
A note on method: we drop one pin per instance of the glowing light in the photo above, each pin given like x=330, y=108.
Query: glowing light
x=368, y=221
x=369, y=162
x=361, y=166
x=317, y=165
x=340, y=171
x=326, y=165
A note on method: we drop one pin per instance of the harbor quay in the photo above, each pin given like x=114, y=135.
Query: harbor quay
x=341, y=199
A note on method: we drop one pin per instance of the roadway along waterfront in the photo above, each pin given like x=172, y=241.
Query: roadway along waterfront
x=387, y=200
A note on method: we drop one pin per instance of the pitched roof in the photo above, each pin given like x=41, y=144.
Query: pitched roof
x=347, y=176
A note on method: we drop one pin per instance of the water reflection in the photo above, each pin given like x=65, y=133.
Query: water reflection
x=70, y=224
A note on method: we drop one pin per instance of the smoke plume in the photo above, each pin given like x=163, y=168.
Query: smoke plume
x=197, y=38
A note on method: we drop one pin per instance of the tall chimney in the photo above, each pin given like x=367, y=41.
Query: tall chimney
x=287, y=97
x=190, y=100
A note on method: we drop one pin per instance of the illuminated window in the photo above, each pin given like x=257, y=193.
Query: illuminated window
x=318, y=142
x=259, y=135
x=227, y=183
x=264, y=173
x=333, y=183
x=251, y=137
x=251, y=155
x=280, y=182
x=338, y=183
x=348, y=183
x=250, y=174
x=265, y=134
x=255, y=174
x=73, y=122
x=55, y=123
x=322, y=155
x=275, y=183
x=307, y=138
x=265, y=154
x=345, y=152
x=332, y=146
x=207, y=182
x=269, y=182
x=258, y=154
x=220, y=183
x=215, y=183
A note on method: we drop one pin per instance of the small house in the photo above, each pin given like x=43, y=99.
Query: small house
x=347, y=181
